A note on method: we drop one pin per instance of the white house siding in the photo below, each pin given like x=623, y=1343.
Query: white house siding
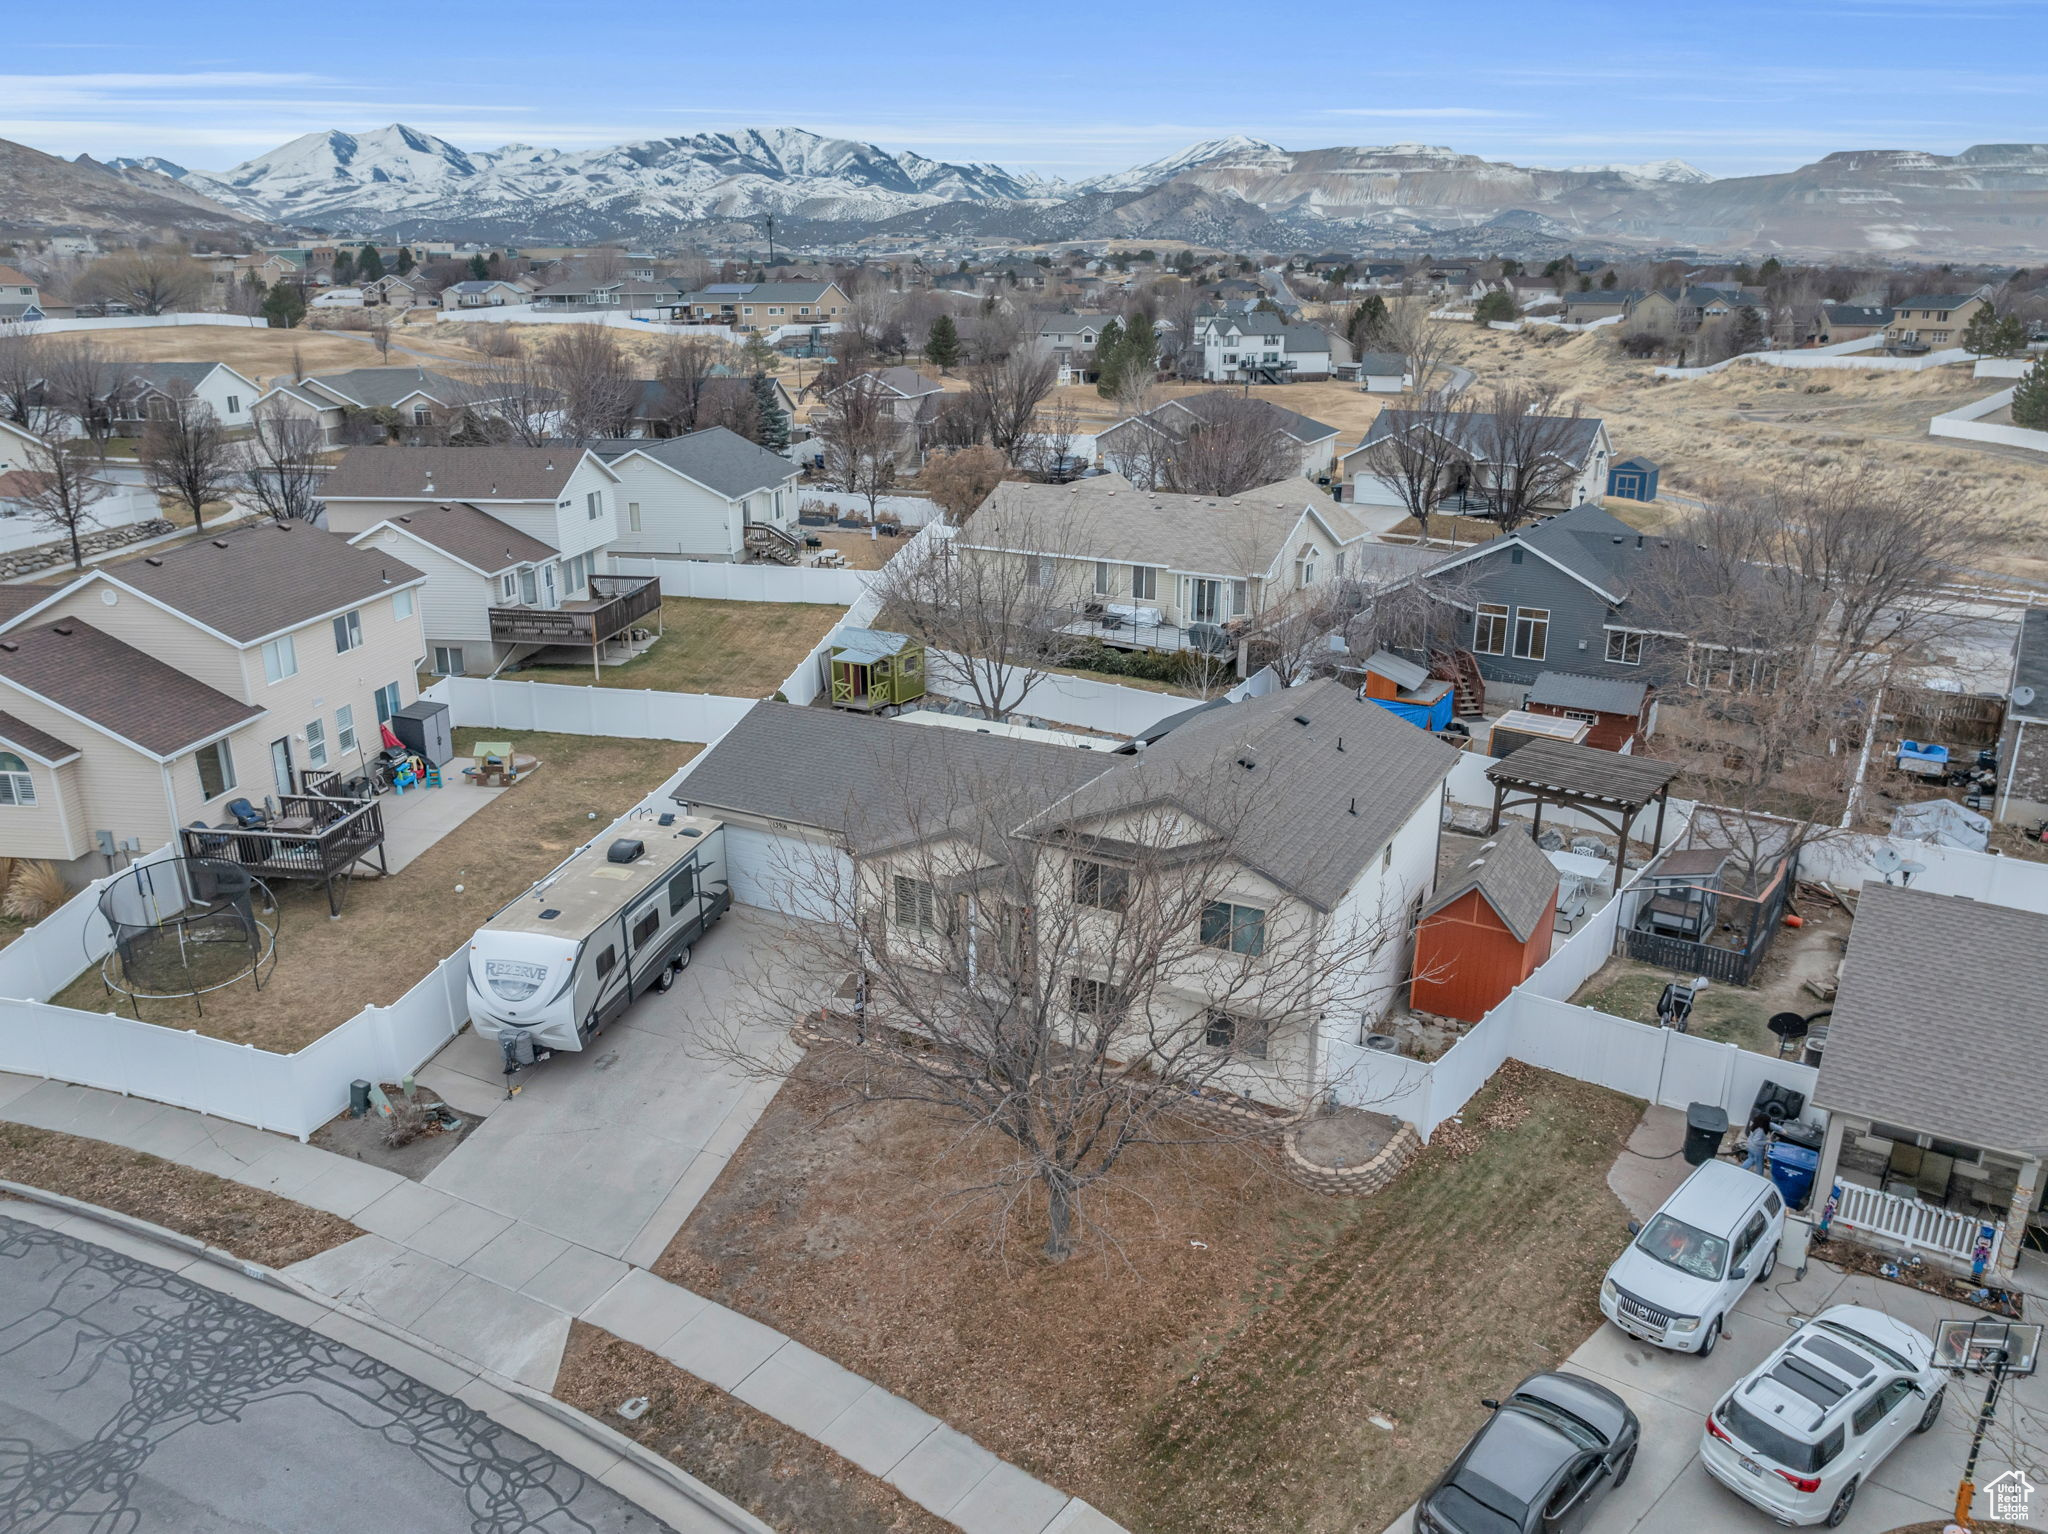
x=111, y=787
x=231, y=395
x=1386, y=894
x=678, y=517
x=456, y=602
x=54, y=826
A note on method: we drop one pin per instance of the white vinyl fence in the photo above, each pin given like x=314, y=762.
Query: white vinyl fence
x=148, y=322
x=750, y=583
x=1846, y=862
x=1838, y=356
x=1966, y=424
x=1069, y=700
x=559, y=709
x=912, y=510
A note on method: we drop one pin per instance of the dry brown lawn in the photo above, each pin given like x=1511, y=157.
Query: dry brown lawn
x=739, y=649
x=262, y=354
x=776, y=1473
x=1216, y=1368
x=1755, y=423
x=393, y=931
x=249, y=1222
x=861, y=551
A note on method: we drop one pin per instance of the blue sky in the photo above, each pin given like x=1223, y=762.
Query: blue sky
x=1738, y=88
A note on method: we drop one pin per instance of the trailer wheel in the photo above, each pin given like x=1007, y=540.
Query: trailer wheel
x=667, y=977
x=683, y=958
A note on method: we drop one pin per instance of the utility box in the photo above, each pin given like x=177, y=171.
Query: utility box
x=426, y=729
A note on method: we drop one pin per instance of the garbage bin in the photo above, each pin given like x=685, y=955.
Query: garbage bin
x=1792, y=1169
x=1706, y=1125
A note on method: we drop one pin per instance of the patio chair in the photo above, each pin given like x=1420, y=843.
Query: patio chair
x=245, y=813
x=1904, y=1165
x=1935, y=1172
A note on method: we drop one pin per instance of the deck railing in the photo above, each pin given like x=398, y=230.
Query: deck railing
x=1914, y=1225
x=616, y=603
x=312, y=838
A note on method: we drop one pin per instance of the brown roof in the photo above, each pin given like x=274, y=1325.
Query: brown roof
x=19, y=732
x=15, y=600
x=1584, y=770
x=252, y=582
x=478, y=539
x=73, y=666
x=453, y=473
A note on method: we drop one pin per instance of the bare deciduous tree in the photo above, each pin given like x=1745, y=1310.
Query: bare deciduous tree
x=594, y=377
x=512, y=398
x=862, y=437
x=1235, y=445
x=1417, y=457
x=1050, y=451
x=1421, y=339
x=278, y=466
x=160, y=281
x=84, y=386
x=960, y=480
x=1530, y=447
x=1006, y=396
x=23, y=378
x=59, y=493
x=185, y=453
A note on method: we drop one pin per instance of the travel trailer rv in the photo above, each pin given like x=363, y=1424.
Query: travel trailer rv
x=616, y=920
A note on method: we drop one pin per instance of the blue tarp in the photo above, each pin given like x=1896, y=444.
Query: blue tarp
x=1428, y=716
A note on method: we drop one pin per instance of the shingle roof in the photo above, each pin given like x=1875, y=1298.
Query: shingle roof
x=252, y=582
x=1469, y=428
x=714, y=456
x=1216, y=402
x=1854, y=314
x=15, y=600
x=762, y=292
x=1382, y=365
x=864, y=778
x=1108, y=518
x=38, y=743
x=1510, y=870
x=477, y=538
x=1404, y=674
x=909, y=381
x=1070, y=324
x=2029, y=664
x=1935, y=301
x=453, y=473
x=1585, y=770
x=1316, y=805
x=1602, y=694
x=1937, y=1023
x=123, y=690
x=371, y=387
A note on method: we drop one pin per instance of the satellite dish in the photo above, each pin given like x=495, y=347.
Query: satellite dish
x=2023, y=697
x=1907, y=870
x=1886, y=860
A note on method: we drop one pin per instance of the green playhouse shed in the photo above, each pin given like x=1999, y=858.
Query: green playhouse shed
x=873, y=669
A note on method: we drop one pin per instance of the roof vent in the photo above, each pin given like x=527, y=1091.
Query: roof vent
x=549, y=914
x=1247, y=763
x=9, y=645
x=627, y=849
x=65, y=629
x=151, y=559
x=1301, y=719
x=1354, y=804
x=220, y=543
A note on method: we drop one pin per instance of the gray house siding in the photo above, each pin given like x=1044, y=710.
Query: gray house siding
x=1531, y=588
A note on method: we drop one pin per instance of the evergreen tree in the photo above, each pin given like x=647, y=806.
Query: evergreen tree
x=1509, y=267
x=1989, y=336
x=1109, y=357
x=2030, y=398
x=284, y=306
x=405, y=261
x=1494, y=305
x=1607, y=278
x=479, y=268
x=774, y=420
x=1140, y=350
x=369, y=265
x=942, y=346
x=344, y=268
x=1771, y=267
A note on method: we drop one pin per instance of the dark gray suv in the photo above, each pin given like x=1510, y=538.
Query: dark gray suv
x=1545, y=1457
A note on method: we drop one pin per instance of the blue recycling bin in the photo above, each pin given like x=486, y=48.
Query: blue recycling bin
x=1792, y=1169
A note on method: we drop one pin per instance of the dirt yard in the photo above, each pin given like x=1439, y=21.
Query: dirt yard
x=740, y=649
x=246, y=1221
x=1752, y=422
x=777, y=1474
x=1219, y=1366
x=393, y=931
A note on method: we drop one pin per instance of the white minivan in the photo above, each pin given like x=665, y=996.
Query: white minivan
x=1690, y=1262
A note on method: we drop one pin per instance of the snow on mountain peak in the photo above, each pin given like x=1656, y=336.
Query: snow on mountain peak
x=1674, y=172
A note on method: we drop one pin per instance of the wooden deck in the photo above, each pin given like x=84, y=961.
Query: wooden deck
x=616, y=603
x=313, y=839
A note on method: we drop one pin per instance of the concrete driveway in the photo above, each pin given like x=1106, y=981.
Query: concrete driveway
x=612, y=1148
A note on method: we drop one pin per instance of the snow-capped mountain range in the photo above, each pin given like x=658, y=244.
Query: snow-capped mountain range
x=1240, y=192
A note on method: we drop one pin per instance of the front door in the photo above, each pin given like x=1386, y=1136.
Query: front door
x=1207, y=603
x=547, y=577
x=281, y=766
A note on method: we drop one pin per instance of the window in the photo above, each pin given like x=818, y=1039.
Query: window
x=1102, y=885
x=16, y=786
x=508, y=587
x=607, y=962
x=316, y=743
x=234, y=404
x=401, y=605
x=216, y=769
x=1532, y=632
x=1490, y=629
x=593, y=505
x=422, y=415
x=1240, y=598
x=1624, y=648
x=280, y=659
x=917, y=904
x=387, y=702
x=448, y=660
x=1105, y=583
x=648, y=923
x=1093, y=998
x=1239, y=928
x=1584, y=716
x=345, y=729
x=633, y=515
x=1880, y=1406
x=348, y=632
x=1038, y=569
x=682, y=889
x=1234, y=1033
x=1144, y=582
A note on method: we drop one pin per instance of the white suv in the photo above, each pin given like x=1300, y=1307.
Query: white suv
x=1688, y=1266
x=1816, y=1418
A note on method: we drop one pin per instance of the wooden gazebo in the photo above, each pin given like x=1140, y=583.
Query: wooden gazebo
x=1607, y=787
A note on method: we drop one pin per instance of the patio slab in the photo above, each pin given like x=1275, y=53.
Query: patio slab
x=420, y=817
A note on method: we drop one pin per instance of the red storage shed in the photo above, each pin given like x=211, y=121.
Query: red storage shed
x=1486, y=930
x=1618, y=714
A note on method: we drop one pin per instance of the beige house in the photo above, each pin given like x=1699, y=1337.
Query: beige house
x=146, y=695
x=1152, y=570
x=763, y=305
x=1931, y=321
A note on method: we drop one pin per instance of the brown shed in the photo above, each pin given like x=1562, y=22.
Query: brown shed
x=1486, y=930
x=1617, y=713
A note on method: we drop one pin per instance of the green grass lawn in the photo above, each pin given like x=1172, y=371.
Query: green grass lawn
x=740, y=649
x=1730, y=1013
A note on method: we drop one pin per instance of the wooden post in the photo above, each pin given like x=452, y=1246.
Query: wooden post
x=1663, y=798
x=1499, y=793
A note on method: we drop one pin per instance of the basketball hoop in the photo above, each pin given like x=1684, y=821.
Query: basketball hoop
x=1988, y=1346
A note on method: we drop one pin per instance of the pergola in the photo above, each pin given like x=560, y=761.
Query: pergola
x=1606, y=786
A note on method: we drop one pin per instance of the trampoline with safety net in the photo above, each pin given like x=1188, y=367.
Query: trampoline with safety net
x=187, y=927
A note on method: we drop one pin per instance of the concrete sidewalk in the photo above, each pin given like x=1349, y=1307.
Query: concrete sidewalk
x=499, y=1292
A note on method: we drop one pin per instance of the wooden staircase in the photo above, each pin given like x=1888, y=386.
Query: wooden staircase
x=769, y=542
x=1461, y=669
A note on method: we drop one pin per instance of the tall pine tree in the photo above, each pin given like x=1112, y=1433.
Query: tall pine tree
x=2030, y=398
x=369, y=265
x=479, y=268
x=774, y=420
x=942, y=346
x=1109, y=359
x=1140, y=359
x=405, y=261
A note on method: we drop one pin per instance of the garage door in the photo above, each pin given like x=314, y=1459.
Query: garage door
x=786, y=873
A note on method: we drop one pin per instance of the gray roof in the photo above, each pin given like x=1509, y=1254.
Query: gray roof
x=1404, y=674
x=1070, y=324
x=715, y=457
x=1937, y=1023
x=1468, y=430
x=760, y=292
x=1602, y=694
x=1510, y=870
x=2030, y=662
x=1208, y=406
x=870, y=780
x=251, y=582
x=1628, y=780
x=38, y=743
x=496, y=473
x=1330, y=780
x=123, y=690
x=1382, y=365
x=478, y=539
x=862, y=646
x=1855, y=314
x=162, y=375
x=371, y=387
